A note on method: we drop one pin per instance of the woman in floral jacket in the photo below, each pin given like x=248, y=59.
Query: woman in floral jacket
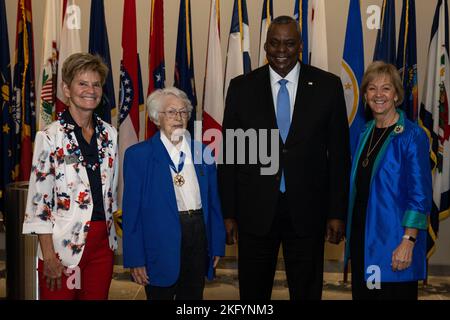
x=73, y=190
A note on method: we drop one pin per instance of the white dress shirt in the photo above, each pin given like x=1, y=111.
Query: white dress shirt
x=188, y=195
x=291, y=85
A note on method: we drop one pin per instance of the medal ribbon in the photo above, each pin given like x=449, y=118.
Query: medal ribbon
x=180, y=164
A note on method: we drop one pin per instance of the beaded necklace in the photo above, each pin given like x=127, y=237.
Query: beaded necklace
x=74, y=149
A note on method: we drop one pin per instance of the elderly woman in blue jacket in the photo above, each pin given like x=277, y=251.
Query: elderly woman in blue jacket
x=173, y=232
x=390, y=195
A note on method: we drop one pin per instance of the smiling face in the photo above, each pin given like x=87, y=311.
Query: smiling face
x=172, y=125
x=283, y=47
x=381, y=96
x=85, y=91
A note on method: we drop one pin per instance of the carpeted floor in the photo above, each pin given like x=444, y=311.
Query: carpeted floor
x=225, y=286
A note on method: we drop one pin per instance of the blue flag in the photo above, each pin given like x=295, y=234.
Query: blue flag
x=238, y=53
x=385, y=46
x=5, y=117
x=246, y=52
x=352, y=72
x=267, y=12
x=24, y=97
x=141, y=100
x=301, y=15
x=184, y=62
x=266, y=20
x=407, y=59
x=99, y=44
x=239, y=25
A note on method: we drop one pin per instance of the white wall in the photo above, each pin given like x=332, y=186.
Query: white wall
x=336, y=14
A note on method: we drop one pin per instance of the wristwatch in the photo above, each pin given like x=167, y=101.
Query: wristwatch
x=410, y=238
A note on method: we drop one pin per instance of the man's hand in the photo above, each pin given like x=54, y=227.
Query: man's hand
x=335, y=231
x=231, y=229
x=139, y=275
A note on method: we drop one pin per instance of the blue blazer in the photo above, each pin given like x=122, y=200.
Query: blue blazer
x=400, y=197
x=151, y=226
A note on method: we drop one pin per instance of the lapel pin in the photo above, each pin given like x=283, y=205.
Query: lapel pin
x=70, y=159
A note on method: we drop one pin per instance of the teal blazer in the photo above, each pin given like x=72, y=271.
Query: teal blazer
x=400, y=197
x=151, y=226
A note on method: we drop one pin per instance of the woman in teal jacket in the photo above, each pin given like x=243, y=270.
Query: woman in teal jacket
x=390, y=195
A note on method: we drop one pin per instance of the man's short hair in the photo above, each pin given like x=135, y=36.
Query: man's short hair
x=285, y=20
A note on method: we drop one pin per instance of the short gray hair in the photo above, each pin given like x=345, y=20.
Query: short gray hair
x=155, y=101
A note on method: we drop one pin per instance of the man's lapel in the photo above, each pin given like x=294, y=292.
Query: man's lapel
x=266, y=98
x=303, y=99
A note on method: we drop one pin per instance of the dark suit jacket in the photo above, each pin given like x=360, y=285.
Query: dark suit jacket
x=315, y=158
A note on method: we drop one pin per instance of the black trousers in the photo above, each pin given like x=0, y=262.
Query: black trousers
x=258, y=257
x=194, y=259
x=388, y=291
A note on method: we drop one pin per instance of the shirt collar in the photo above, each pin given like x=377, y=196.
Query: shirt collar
x=174, y=151
x=292, y=76
x=67, y=117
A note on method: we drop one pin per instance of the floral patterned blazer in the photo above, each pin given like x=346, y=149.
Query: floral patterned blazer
x=59, y=197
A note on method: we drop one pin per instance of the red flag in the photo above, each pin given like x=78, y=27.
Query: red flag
x=156, y=64
x=129, y=88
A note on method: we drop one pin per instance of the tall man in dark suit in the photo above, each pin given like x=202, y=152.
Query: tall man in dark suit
x=306, y=200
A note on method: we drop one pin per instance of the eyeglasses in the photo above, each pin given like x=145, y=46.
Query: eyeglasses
x=173, y=114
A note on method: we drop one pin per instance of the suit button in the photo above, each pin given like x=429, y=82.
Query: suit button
x=285, y=151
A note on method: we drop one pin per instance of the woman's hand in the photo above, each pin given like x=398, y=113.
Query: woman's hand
x=53, y=269
x=216, y=261
x=139, y=275
x=402, y=255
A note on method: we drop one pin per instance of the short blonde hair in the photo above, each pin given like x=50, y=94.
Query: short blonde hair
x=155, y=101
x=382, y=69
x=81, y=62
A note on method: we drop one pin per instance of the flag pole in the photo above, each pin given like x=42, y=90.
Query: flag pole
x=346, y=273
